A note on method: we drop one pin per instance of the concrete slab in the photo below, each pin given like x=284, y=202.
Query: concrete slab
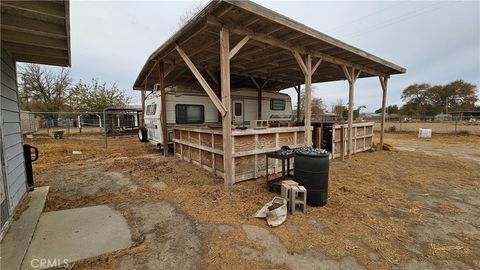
x=16, y=241
x=63, y=237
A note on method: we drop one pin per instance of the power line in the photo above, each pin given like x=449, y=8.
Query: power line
x=401, y=18
x=364, y=17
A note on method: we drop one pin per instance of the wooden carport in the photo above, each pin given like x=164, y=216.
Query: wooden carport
x=234, y=44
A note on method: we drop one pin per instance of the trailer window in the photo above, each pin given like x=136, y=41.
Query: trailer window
x=189, y=114
x=238, y=109
x=277, y=104
x=151, y=109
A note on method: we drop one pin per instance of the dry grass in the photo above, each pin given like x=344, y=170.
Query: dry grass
x=437, y=127
x=369, y=207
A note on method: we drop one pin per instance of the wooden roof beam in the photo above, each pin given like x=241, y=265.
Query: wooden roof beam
x=282, y=44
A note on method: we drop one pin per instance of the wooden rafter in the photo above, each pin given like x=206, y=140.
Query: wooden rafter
x=287, y=46
x=210, y=74
x=255, y=82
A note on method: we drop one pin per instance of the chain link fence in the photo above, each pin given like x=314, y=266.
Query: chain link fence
x=117, y=122
x=447, y=124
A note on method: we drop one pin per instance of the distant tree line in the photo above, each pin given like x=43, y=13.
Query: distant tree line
x=43, y=90
x=428, y=100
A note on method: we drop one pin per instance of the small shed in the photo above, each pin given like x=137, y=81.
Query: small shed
x=235, y=44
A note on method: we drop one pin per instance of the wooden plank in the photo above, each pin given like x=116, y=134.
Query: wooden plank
x=298, y=102
x=211, y=94
x=239, y=45
x=219, y=163
x=383, y=83
x=163, y=112
x=218, y=141
x=259, y=103
x=244, y=164
x=286, y=139
x=266, y=141
x=308, y=102
x=197, y=146
x=342, y=142
x=206, y=158
x=244, y=143
x=206, y=139
x=350, y=75
x=226, y=101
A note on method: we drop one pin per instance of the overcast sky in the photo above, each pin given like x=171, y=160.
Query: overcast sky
x=436, y=42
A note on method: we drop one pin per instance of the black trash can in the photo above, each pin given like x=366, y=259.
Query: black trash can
x=311, y=171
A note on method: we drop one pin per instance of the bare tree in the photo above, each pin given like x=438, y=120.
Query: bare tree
x=189, y=14
x=339, y=109
x=317, y=106
x=42, y=89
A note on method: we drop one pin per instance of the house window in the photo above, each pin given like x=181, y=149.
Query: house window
x=277, y=104
x=189, y=114
x=151, y=109
x=238, y=109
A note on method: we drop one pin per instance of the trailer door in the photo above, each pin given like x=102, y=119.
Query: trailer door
x=238, y=112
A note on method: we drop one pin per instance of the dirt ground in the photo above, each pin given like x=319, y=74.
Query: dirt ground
x=415, y=208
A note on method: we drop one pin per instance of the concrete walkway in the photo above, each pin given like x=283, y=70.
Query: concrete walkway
x=63, y=237
x=16, y=241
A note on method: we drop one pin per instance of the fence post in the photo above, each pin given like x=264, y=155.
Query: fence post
x=456, y=121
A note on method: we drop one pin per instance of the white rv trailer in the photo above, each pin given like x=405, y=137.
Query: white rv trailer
x=188, y=107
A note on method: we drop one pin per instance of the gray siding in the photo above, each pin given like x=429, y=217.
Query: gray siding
x=12, y=138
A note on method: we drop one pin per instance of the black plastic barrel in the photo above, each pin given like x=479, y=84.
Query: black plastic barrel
x=27, y=154
x=311, y=171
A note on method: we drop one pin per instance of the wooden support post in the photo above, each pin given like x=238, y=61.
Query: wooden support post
x=342, y=140
x=383, y=83
x=259, y=106
x=226, y=101
x=142, y=97
x=352, y=75
x=298, y=87
x=163, y=111
x=307, y=70
x=308, y=102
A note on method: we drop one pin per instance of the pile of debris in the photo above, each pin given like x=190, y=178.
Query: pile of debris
x=293, y=200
